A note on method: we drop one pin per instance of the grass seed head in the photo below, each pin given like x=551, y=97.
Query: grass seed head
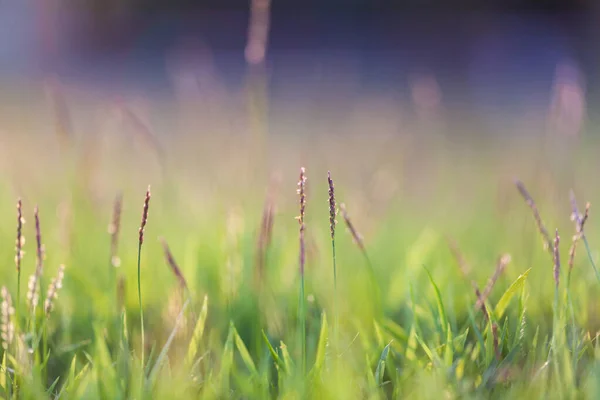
x=332, y=206
x=144, y=215
x=580, y=221
x=33, y=287
x=536, y=215
x=173, y=265
x=7, y=328
x=33, y=291
x=39, y=245
x=20, y=242
x=355, y=235
x=302, y=196
x=503, y=261
x=53, y=289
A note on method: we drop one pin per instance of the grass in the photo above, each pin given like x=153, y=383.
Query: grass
x=242, y=303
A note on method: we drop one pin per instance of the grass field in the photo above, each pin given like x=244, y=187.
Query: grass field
x=226, y=312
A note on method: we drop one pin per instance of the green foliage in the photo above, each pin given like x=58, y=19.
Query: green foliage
x=398, y=329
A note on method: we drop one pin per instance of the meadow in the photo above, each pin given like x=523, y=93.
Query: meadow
x=236, y=275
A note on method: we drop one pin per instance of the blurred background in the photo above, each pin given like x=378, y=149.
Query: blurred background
x=477, y=60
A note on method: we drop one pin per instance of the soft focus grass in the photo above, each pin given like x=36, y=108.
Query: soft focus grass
x=405, y=193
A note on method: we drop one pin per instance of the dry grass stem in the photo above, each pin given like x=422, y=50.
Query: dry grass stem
x=536, y=215
x=34, y=280
x=174, y=266
x=497, y=351
x=580, y=221
x=113, y=229
x=503, y=261
x=355, y=235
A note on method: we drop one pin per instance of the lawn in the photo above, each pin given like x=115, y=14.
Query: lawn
x=434, y=280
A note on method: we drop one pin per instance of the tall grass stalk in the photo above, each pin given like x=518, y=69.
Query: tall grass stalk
x=265, y=236
x=302, y=262
x=332, y=223
x=547, y=241
x=34, y=285
x=556, y=316
x=580, y=222
x=114, y=229
x=139, y=274
x=19, y=255
x=181, y=281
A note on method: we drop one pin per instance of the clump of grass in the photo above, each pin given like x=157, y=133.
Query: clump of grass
x=302, y=262
x=548, y=244
x=480, y=304
x=139, y=267
x=53, y=289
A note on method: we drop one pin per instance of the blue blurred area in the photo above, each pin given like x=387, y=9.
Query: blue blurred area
x=489, y=61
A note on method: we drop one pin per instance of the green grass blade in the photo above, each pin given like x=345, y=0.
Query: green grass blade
x=433, y=357
x=513, y=289
x=52, y=386
x=198, y=333
x=322, y=345
x=380, y=370
x=449, y=350
x=477, y=331
x=287, y=359
x=280, y=365
x=438, y=298
x=149, y=360
x=106, y=377
x=226, y=363
x=243, y=350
